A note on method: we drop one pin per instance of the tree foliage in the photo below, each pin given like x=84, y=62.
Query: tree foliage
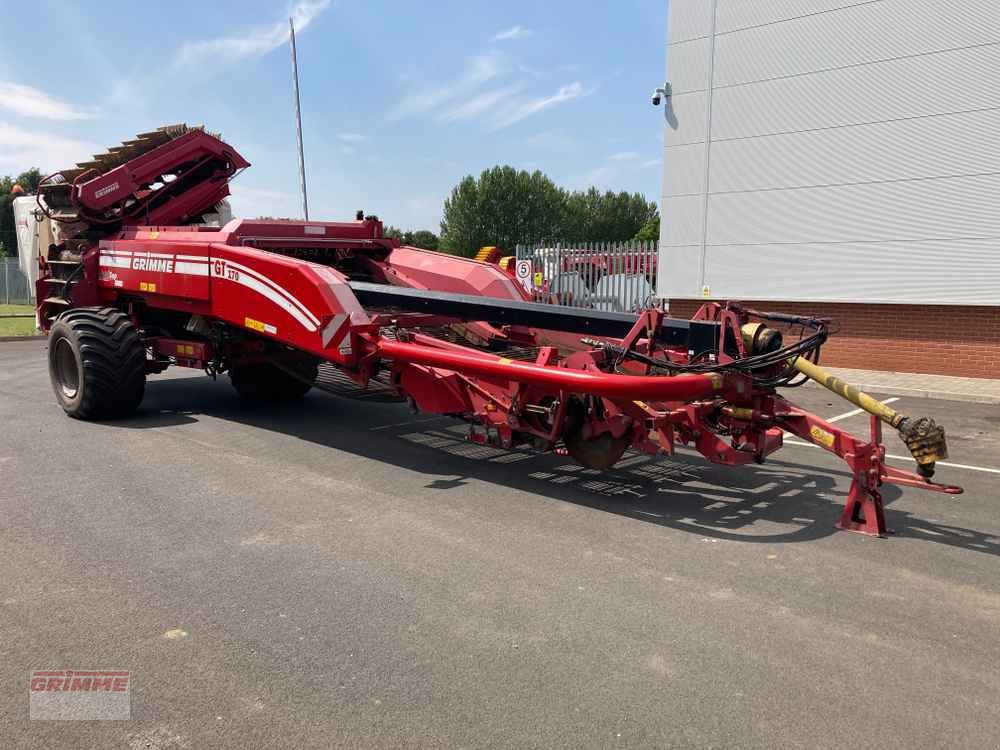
x=649, y=231
x=8, y=232
x=505, y=207
x=421, y=238
x=606, y=217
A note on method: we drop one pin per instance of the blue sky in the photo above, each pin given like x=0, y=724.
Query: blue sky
x=400, y=99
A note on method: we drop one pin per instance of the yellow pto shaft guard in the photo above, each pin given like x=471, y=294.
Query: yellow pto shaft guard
x=924, y=438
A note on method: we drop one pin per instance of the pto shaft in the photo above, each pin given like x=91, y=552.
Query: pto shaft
x=851, y=392
x=922, y=436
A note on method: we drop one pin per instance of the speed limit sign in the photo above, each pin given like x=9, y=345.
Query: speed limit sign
x=523, y=272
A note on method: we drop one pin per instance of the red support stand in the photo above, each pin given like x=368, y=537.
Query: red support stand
x=863, y=512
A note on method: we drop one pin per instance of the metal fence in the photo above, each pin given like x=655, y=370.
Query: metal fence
x=613, y=276
x=15, y=289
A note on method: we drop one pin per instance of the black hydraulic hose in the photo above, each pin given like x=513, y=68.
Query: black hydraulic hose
x=807, y=347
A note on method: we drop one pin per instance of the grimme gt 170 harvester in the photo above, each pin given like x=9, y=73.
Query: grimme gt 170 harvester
x=135, y=286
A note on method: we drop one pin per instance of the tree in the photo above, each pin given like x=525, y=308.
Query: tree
x=650, y=231
x=421, y=238
x=503, y=207
x=424, y=238
x=606, y=217
x=28, y=181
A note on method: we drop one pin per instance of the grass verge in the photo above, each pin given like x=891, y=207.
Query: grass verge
x=17, y=326
x=19, y=309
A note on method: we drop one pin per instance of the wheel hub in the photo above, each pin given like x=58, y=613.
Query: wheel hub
x=67, y=372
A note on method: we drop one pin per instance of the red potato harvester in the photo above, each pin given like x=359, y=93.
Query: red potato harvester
x=135, y=286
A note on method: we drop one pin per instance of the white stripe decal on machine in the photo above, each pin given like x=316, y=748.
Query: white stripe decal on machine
x=192, y=265
x=275, y=293
x=199, y=265
x=276, y=287
x=193, y=269
x=331, y=328
x=110, y=261
x=148, y=254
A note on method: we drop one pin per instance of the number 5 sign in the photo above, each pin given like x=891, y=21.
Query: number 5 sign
x=523, y=272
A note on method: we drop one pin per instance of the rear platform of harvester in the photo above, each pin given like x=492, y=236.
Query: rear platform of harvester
x=284, y=306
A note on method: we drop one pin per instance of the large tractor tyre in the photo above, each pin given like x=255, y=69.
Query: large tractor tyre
x=97, y=363
x=267, y=382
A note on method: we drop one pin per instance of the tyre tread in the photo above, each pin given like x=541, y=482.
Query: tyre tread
x=113, y=379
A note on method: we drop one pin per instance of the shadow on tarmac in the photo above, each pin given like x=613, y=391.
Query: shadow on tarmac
x=778, y=502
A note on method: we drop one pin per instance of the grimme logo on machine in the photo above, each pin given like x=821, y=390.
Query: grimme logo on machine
x=81, y=695
x=153, y=264
x=106, y=190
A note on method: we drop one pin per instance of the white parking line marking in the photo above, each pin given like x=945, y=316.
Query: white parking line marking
x=855, y=412
x=908, y=458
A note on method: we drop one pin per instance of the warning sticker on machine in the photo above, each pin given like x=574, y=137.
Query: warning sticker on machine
x=822, y=436
x=258, y=326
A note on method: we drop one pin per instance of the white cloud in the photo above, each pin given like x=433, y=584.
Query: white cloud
x=624, y=174
x=22, y=149
x=477, y=105
x=465, y=98
x=352, y=137
x=514, y=32
x=256, y=42
x=481, y=70
x=621, y=171
x=30, y=102
x=524, y=109
x=249, y=202
x=593, y=178
x=347, y=149
x=558, y=141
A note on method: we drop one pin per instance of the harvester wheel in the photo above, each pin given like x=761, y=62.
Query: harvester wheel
x=267, y=382
x=601, y=452
x=97, y=363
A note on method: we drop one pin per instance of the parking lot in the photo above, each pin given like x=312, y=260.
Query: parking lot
x=340, y=573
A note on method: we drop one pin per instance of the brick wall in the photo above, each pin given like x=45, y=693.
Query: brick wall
x=936, y=339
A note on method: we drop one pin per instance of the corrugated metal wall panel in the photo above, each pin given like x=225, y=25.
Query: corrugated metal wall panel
x=924, y=209
x=689, y=19
x=842, y=179
x=913, y=87
x=687, y=65
x=684, y=170
x=901, y=272
x=679, y=268
x=740, y=14
x=940, y=146
x=802, y=46
x=687, y=119
x=685, y=222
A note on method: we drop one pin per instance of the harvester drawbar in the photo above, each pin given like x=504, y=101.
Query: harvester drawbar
x=284, y=306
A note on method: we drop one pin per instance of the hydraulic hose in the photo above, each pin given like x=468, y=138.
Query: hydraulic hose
x=629, y=387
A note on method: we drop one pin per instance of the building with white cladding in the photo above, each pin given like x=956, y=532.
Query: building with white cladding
x=840, y=156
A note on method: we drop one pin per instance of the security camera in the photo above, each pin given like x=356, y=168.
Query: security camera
x=659, y=94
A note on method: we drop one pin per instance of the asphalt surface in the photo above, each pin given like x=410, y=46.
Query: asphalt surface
x=346, y=574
